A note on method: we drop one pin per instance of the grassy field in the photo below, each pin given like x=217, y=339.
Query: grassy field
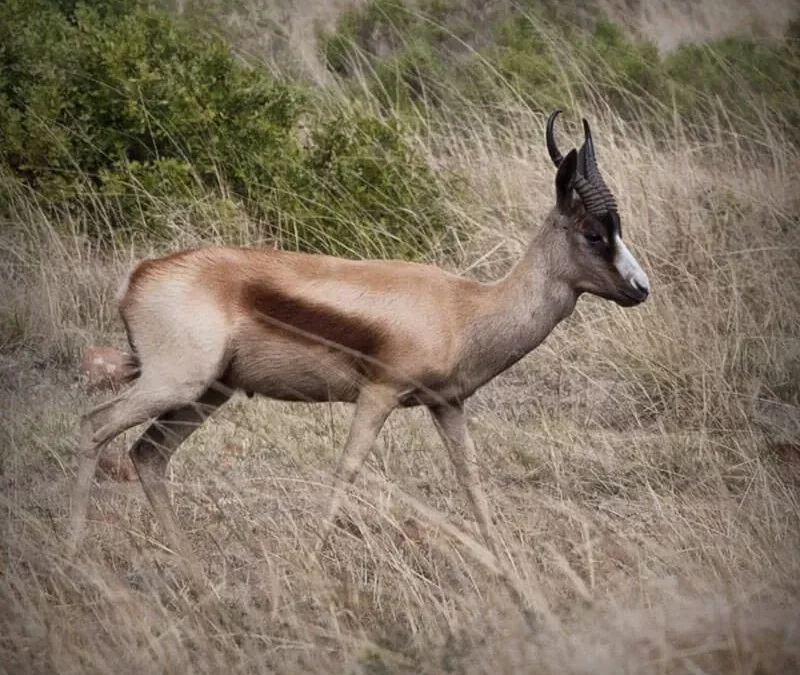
x=643, y=465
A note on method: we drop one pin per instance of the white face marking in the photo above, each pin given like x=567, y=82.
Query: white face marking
x=628, y=268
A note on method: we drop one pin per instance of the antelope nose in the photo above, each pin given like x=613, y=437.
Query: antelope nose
x=643, y=288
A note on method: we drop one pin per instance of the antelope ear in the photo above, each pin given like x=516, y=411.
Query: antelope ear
x=565, y=179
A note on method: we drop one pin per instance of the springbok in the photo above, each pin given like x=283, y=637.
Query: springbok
x=206, y=322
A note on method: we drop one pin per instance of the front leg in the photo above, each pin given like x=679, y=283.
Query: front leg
x=451, y=422
x=374, y=404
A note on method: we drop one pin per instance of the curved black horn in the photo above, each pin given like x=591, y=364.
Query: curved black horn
x=587, y=141
x=601, y=199
x=594, y=201
x=552, y=148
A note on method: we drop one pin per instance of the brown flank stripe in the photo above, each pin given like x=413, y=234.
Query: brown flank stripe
x=310, y=320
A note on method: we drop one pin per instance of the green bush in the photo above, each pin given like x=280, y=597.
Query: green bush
x=123, y=106
x=442, y=53
x=625, y=72
x=741, y=77
x=380, y=28
x=417, y=54
x=359, y=170
x=377, y=28
x=545, y=60
x=526, y=60
x=546, y=53
x=131, y=98
x=405, y=51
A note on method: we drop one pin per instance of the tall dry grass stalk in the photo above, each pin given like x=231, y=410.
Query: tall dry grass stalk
x=643, y=465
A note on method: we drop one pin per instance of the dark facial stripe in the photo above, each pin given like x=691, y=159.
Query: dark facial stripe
x=604, y=232
x=612, y=222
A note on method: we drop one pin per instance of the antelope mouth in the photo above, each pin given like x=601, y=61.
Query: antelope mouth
x=631, y=298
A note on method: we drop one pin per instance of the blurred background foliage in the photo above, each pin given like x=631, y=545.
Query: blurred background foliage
x=147, y=115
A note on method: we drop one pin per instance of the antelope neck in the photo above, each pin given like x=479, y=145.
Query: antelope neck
x=519, y=312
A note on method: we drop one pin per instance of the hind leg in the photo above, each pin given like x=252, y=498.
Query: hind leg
x=103, y=423
x=152, y=452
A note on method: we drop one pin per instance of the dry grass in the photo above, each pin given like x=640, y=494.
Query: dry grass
x=643, y=465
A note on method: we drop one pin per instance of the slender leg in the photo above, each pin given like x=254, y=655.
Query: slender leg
x=451, y=422
x=152, y=452
x=374, y=404
x=106, y=421
x=89, y=452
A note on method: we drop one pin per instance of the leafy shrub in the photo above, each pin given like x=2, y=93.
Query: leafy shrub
x=622, y=69
x=123, y=105
x=547, y=53
x=364, y=187
x=439, y=54
x=406, y=51
x=113, y=97
x=747, y=78
x=376, y=29
x=526, y=61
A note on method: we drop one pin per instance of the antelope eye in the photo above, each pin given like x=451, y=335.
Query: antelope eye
x=594, y=238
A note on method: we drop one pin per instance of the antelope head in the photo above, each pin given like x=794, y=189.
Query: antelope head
x=594, y=258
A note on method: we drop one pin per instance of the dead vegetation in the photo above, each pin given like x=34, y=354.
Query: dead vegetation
x=643, y=466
